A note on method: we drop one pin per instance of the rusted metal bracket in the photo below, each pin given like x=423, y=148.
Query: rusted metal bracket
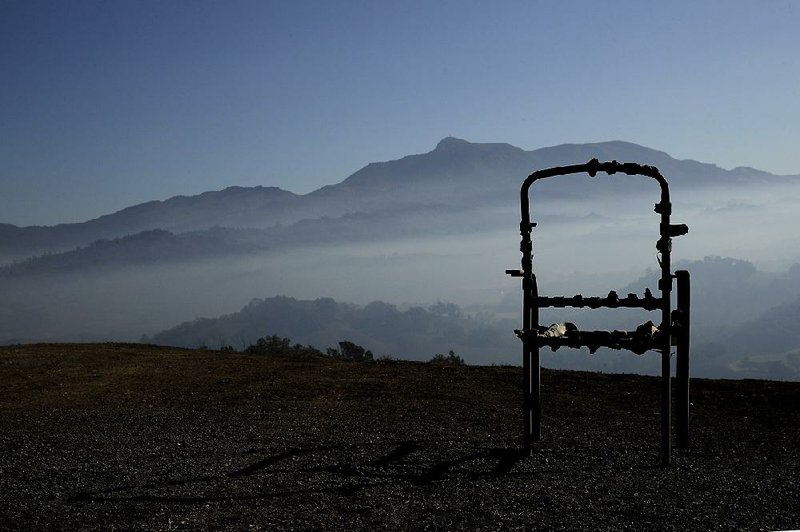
x=644, y=338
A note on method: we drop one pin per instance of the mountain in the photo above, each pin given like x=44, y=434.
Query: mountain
x=415, y=333
x=233, y=207
x=455, y=173
x=737, y=330
x=157, y=246
x=768, y=344
x=442, y=225
x=455, y=166
x=488, y=165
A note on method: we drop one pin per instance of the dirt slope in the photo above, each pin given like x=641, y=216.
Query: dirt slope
x=139, y=437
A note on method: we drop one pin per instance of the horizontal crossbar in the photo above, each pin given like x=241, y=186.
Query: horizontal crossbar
x=646, y=337
x=612, y=300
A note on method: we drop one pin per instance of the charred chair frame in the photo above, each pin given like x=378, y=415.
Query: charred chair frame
x=673, y=324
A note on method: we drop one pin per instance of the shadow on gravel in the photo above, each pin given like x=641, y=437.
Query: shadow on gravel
x=403, y=462
x=266, y=462
x=504, y=459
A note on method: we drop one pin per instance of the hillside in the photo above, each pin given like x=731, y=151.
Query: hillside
x=380, y=327
x=455, y=173
x=157, y=246
x=435, y=226
x=132, y=436
x=736, y=324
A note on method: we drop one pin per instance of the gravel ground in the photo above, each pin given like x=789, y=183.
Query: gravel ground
x=117, y=436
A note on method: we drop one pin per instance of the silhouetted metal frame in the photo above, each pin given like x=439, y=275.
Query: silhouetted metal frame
x=532, y=413
x=682, y=352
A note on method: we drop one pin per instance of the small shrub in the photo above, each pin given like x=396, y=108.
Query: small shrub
x=270, y=345
x=275, y=345
x=450, y=359
x=350, y=351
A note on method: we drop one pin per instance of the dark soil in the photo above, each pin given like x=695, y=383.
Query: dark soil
x=141, y=437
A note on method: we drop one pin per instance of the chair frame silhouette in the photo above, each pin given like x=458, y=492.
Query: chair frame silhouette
x=674, y=324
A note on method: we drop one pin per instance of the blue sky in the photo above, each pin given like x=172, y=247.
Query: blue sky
x=106, y=104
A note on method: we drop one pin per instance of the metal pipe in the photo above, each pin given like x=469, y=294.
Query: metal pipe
x=531, y=399
x=683, y=305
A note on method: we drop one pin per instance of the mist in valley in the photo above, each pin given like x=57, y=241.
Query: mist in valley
x=598, y=237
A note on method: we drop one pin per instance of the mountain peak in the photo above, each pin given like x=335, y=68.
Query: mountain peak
x=451, y=143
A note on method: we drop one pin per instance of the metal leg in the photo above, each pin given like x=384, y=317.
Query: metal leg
x=682, y=364
x=536, y=395
x=531, y=406
x=527, y=406
x=666, y=401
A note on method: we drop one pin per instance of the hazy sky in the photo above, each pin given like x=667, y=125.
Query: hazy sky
x=106, y=104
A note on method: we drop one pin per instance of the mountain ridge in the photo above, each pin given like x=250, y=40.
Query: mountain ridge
x=446, y=145
x=441, y=224
x=456, y=172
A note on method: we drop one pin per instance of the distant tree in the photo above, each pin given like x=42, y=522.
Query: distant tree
x=350, y=351
x=275, y=345
x=450, y=359
x=270, y=345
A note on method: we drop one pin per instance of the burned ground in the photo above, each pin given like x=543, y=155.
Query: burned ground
x=139, y=437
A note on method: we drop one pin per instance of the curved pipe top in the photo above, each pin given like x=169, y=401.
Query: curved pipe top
x=592, y=167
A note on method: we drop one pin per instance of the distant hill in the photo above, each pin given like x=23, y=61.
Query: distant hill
x=157, y=246
x=438, y=225
x=456, y=173
x=233, y=207
x=768, y=344
x=733, y=319
x=415, y=333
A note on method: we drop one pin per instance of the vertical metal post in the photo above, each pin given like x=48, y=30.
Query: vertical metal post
x=536, y=395
x=527, y=396
x=535, y=366
x=527, y=369
x=664, y=246
x=666, y=400
x=531, y=406
x=682, y=365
